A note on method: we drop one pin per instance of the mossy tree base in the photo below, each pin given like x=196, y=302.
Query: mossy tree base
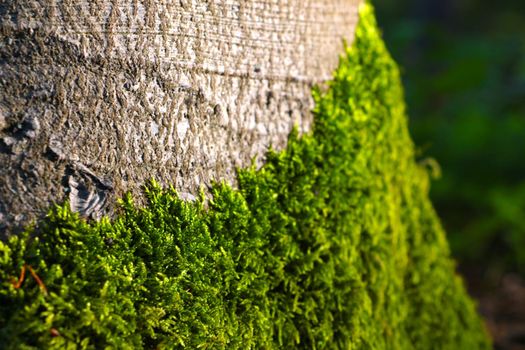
x=333, y=244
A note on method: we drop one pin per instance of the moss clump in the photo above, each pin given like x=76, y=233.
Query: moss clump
x=332, y=244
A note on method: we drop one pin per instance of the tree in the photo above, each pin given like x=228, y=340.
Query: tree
x=97, y=97
x=331, y=244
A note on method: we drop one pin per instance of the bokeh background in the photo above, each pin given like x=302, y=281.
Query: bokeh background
x=463, y=66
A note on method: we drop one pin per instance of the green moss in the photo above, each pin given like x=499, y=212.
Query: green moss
x=332, y=244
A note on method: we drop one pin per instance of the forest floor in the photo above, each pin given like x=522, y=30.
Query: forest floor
x=501, y=301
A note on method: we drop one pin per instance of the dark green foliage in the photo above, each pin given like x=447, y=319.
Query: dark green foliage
x=464, y=71
x=333, y=244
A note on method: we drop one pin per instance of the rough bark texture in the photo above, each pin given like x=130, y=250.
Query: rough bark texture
x=98, y=96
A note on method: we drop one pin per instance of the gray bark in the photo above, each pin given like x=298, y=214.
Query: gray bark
x=98, y=96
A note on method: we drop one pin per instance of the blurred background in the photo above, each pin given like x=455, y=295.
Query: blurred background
x=463, y=67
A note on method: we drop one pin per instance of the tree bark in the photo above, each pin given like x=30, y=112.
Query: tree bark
x=98, y=96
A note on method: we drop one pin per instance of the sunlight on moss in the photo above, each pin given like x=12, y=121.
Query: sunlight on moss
x=332, y=244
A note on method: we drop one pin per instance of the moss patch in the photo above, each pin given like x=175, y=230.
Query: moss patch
x=332, y=244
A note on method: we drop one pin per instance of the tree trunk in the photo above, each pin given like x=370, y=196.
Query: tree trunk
x=98, y=96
